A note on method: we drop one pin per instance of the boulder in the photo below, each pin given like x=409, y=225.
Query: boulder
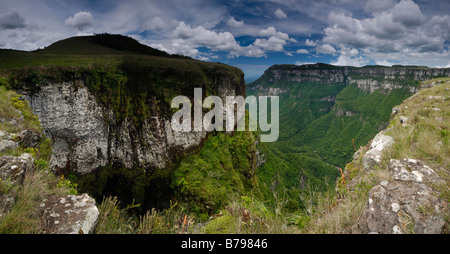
x=69, y=214
x=373, y=156
x=7, y=141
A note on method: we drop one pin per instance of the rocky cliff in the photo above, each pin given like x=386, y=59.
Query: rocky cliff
x=108, y=114
x=87, y=135
x=368, y=78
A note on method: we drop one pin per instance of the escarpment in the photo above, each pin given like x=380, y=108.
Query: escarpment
x=112, y=128
x=88, y=134
x=367, y=78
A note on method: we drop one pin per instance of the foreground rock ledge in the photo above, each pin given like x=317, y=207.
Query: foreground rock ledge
x=69, y=214
x=407, y=204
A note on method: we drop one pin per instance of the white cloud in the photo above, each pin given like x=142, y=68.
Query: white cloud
x=280, y=14
x=383, y=62
x=408, y=13
x=375, y=6
x=275, y=42
x=234, y=23
x=394, y=34
x=201, y=37
x=302, y=51
x=303, y=63
x=185, y=41
x=325, y=49
x=271, y=44
x=80, y=21
x=350, y=57
x=310, y=43
x=155, y=24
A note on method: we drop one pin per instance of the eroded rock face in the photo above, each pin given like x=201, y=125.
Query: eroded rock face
x=367, y=79
x=406, y=204
x=86, y=135
x=69, y=214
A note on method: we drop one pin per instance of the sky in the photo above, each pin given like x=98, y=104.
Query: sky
x=249, y=34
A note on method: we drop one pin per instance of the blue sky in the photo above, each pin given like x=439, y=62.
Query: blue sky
x=249, y=34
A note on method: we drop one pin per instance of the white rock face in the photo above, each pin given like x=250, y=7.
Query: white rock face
x=74, y=121
x=85, y=135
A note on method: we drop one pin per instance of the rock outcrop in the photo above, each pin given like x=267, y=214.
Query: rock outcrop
x=7, y=141
x=407, y=204
x=373, y=156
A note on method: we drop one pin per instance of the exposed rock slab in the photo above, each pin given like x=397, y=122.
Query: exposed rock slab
x=373, y=156
x=69, y=214
x=406, y=204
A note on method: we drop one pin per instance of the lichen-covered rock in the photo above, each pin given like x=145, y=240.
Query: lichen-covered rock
x=406, y=204
x=413, y=171
x=13, y=168
x=12, y=174
x=373, y=156
x=69, y=214
x=7, y=141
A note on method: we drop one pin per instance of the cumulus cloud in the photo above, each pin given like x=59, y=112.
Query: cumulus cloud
x=80, y=21
x=393, y=33
x=280, y=14
x=375, y=6
x=325, y=49
x=275, y=41
x=234, y=23
x=155, y=24
x=186, y=40
x=302, y=51
x=202, y=37
x=350, y=57
x=11, y=20
x=407, y=13
x=310, y=43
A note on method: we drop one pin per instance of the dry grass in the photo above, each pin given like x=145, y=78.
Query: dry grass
x=24, y=218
